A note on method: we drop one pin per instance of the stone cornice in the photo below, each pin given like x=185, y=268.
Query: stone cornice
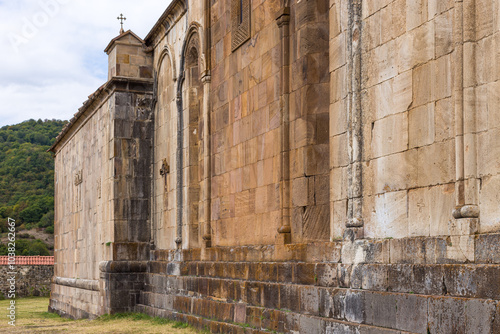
x=171, y=15
x=93, y=103
x=283, y=16
x=85, y=284
x=123, y=266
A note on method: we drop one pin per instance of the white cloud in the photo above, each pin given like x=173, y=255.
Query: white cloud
x=52, y=55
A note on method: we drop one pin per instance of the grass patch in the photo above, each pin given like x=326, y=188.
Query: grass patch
x=161, y=321
x=48, y=315
x=130, y=316
x=179, y=324
x=32, y=317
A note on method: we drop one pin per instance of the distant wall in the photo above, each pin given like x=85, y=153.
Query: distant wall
x=31, y=280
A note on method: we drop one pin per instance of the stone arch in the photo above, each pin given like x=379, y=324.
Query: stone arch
x=167, y=52
x=192, y=91
x=164, y=227
x=195, y=38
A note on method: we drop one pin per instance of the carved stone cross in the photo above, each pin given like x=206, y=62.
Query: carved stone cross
x=121, y=18
x=165, y=169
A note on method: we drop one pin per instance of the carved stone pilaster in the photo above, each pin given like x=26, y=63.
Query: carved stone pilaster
x=355, y=129
x=207, y=191
x=283, y=21
x=467, y=182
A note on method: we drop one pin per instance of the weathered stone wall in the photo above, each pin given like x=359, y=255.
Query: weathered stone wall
x=167, y=58
x=410, y=141
x=31, y=280
x=306, y=288
x=330, y=169
x=245, y=128
x=427, y=104
x=84, y=214
x=83, y=198
x=75, y=302
x=309, y=120
x=103, y=186
x=483, y=97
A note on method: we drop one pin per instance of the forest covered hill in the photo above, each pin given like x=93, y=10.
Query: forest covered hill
x=27, y=178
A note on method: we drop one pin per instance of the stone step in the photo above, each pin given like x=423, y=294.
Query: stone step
x=409, y=312
x=480, y=249
x=312, y=252
x=260, y=320
x=457, y=280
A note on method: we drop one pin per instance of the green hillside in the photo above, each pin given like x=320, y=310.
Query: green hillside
x=27, y=174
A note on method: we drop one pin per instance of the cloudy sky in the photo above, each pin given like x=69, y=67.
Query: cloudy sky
x=51, y=52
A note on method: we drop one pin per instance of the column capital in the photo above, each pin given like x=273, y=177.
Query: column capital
x=283, y=16
x=206, y=77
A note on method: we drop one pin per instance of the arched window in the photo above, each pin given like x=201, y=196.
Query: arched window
x=194, y=131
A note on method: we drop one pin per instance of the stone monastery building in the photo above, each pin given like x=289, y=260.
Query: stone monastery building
x=301, y=166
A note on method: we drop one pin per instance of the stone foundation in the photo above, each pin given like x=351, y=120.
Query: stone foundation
x=243, y=290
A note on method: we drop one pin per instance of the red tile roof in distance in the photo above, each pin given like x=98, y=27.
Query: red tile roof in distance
x=28, y=260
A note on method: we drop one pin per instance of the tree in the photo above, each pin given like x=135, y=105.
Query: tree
x=27, y=172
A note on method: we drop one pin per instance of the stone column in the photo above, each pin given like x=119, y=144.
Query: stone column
x=179, y=163
x=465, y=114
x=354, y=224
x=458, y=85
x=283, y=21
x=207, y=173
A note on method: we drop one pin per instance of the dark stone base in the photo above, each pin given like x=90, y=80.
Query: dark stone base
x=402, y=286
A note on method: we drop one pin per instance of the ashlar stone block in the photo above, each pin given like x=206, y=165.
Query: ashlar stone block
x=488, y=152
x=398, y=17
x=338, y=117
x=393, y=172
x=436, y=163
x=422, y=84
x=416, y=13
x=402, y=90
x=416, y=47
x=421, y=126
x=371, y=31
x=338, y=49
x=338, y=151
x=390, y=135
x=444, y=117
x=381, y=63
x=441, y=84
x=430, y=210
x=436, y=7
x=460, y=248
x=489, y=197
x=444, y=32
x=338, y=218
x=388, y=216
x=371, y=7
x=463, y=226
x=480, y=315
x=411, y=313
x=484, y=18
x=334, y=14
x=446, y=315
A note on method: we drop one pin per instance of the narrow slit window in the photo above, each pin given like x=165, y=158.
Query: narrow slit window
x=240, y=23
x=241, y=12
